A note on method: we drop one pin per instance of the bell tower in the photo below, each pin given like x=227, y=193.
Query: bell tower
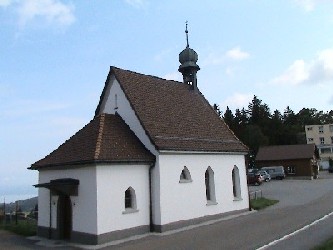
x=188, y=59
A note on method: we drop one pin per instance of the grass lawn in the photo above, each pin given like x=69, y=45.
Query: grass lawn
x=328, y=245
x=261, y=203
x=23, y=227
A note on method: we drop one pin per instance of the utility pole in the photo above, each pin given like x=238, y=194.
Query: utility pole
x=16, y=208
x=4, y=210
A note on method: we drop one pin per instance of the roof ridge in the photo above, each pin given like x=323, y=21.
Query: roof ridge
x=100, y=136
x=146, y=75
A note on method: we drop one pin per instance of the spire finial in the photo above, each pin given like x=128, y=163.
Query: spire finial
x=186, y=31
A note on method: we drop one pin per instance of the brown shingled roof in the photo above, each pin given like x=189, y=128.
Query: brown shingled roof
x=107, y=138
x=287, y=152
x=174, y=116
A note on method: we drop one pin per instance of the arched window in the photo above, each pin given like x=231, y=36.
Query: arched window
x=130, y=199
x=185, y=176
x=236, y=183
x=210, y=186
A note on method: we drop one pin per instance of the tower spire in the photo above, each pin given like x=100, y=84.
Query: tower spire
x=186, y=32
x=188, y=59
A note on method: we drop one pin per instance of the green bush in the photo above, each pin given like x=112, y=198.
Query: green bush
x=23, y=227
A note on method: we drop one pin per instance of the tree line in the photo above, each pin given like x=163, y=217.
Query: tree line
x=256, y=126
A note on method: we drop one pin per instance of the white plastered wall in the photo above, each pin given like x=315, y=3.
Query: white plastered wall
x=84, y=206
x=112, y=183
x=184, y=201
x=122, y=106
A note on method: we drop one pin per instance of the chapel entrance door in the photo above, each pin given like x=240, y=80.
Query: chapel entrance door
x=64, y=218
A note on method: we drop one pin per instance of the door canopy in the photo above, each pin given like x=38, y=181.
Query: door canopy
x=64, y=186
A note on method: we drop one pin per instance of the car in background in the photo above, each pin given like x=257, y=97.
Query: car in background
x=252, y=170
x=254, y=178
x=276, y=172
x=265, y=175
x=330, y=169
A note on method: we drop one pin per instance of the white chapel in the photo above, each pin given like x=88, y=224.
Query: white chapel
x=155, y=157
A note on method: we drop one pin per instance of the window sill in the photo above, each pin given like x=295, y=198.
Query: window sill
x=237, y=199
x=185, y=181
x=130, y=211
x=211, y=203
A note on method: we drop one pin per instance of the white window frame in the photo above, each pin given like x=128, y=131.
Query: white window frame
x=291, y=169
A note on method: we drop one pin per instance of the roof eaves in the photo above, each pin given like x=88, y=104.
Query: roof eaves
x=76, y=163
x=167, y=150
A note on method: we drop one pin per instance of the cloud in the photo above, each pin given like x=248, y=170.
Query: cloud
x=295, y=74
x=219, y=57
x=307, y=5
x=236, y=101
x=53, y=11
x=214, y=58
x=310, y=5
x=237, y=54
x=317, y=71
x=5, y=3
x=137, y=3
x=229, y=71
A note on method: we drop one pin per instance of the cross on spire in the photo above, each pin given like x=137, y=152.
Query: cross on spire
x=186, y=31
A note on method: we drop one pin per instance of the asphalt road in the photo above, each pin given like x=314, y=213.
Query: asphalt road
x=247, y=232
x=301, y=203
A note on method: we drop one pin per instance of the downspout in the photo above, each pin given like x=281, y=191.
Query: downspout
x=151, y=224
x=247, y=184
x=249, y=197
x=50, y=205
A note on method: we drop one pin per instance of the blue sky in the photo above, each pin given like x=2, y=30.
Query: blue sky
x=55, y=56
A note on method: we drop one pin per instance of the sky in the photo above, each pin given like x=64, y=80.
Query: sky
x=55, y=56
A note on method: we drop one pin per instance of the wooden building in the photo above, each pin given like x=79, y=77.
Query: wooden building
x=299, y=161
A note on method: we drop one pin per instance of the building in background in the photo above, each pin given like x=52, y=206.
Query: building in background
x=322, y=136
x=300, y=161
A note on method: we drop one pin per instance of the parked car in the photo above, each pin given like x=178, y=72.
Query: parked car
x=254, y=179
x=330, y=169
x=276, y=172
x=265, y=175
x=252, y=170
